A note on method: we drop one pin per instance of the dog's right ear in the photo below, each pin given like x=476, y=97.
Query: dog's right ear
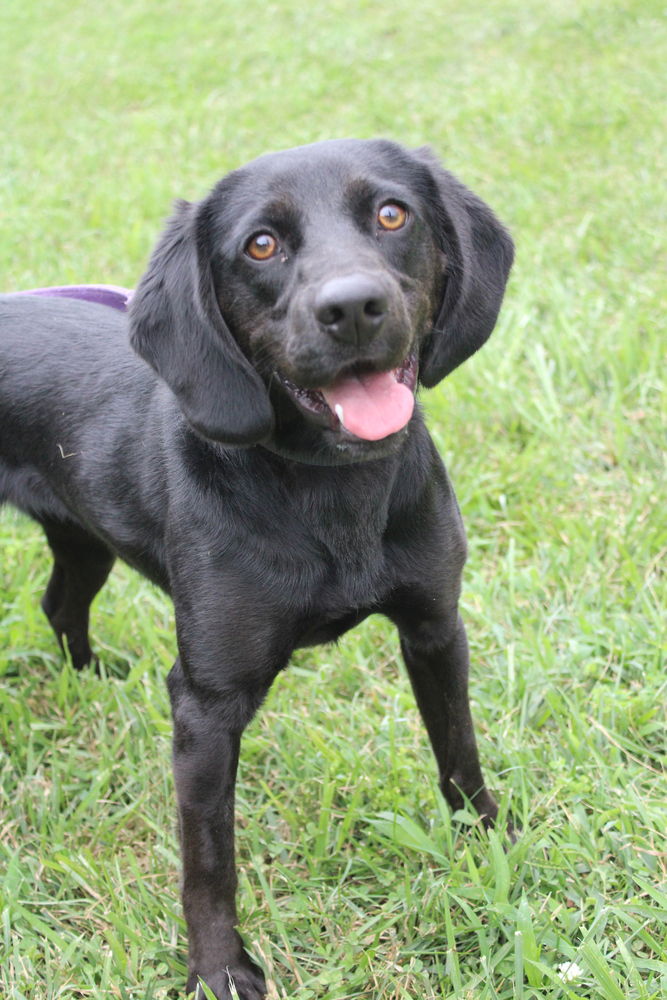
x=479, y=253
x=177, y=327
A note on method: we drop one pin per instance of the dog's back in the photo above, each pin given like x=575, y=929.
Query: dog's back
x=72, y=397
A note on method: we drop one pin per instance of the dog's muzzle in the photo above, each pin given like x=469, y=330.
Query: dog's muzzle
x=370, y=405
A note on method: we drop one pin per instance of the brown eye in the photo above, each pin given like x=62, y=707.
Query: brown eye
x=262, y=246
x=392, y=216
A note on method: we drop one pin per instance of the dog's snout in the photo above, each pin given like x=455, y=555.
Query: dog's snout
x=352, y=308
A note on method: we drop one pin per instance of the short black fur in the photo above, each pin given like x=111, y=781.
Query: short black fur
x=269, y=524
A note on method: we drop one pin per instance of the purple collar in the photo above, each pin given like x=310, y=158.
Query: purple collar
x=112, y=296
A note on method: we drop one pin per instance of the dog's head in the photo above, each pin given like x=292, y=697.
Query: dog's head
x=301, y=302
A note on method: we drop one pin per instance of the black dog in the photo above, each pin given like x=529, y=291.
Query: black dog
x=266, y=467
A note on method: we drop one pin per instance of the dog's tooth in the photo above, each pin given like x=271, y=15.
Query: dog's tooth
x=339, y=412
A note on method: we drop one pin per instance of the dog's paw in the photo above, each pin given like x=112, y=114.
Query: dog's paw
x=238, y=982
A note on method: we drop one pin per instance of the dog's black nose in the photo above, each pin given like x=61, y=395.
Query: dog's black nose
x=351, y=308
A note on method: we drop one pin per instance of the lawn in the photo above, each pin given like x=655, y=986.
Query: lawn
x=355, y=881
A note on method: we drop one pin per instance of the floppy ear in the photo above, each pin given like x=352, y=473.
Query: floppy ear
x=177, y=327
x=479, y=254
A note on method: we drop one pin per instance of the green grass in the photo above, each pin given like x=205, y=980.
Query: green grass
x=355, y=880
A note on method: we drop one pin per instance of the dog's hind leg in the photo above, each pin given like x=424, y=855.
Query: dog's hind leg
x=81, y=565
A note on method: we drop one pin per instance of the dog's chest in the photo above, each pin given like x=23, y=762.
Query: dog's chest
x=311, y=546
x=346, y=532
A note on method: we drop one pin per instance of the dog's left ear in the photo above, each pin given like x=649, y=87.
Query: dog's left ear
x=479, y=254
x=176, y=326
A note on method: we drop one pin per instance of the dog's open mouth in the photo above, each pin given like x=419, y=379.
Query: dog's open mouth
x=368, y=404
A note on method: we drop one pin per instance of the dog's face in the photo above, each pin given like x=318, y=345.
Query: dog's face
x=327, y=271
x=312, y=289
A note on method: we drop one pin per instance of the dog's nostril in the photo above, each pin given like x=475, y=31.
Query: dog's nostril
x=375, y=307
x=330, y=315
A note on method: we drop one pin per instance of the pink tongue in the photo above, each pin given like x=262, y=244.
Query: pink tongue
x=371, y=406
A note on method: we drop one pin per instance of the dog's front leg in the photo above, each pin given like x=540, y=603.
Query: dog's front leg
x=435, y=650
x=207, y=735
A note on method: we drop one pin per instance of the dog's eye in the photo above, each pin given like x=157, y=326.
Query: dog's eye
x=262, y=246
x=392, y=216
